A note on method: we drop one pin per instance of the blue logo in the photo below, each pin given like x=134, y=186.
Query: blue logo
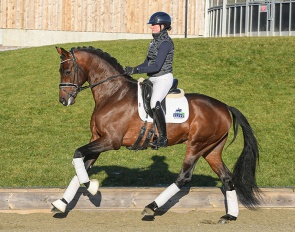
x=178, y=113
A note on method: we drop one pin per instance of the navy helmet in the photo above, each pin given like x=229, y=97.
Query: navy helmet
x=161, y=18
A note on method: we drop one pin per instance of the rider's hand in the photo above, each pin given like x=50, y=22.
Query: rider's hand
x=129, y=70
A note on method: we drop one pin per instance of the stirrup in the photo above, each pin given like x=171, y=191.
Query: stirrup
x=161, y=141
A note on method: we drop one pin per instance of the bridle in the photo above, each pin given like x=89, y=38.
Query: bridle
x=76, y=86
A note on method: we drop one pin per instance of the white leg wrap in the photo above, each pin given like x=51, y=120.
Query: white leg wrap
x=72, y=189
x=60, y=205
x=80, y=170
x=167, y=194
x=232, y=203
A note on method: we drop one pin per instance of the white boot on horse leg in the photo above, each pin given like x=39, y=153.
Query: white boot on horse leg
x=92, y=185
x=81, y=177
x=232, y=207
x=68, y=196
x=59, y=206
x=161, y=200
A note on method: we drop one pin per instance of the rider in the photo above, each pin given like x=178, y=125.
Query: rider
x=158, y=66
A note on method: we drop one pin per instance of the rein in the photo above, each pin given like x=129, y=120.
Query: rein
x=81, y=88
x=98, y=83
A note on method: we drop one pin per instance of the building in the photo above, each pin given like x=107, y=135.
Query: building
x=250, y=18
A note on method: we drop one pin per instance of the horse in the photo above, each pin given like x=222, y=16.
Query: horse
x=205, y=132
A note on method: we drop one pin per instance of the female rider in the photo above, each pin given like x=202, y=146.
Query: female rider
x=158, y=66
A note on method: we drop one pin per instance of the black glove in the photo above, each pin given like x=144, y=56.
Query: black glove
x=129, y=70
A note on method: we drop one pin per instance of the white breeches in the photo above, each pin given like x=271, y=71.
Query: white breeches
x=161, y=86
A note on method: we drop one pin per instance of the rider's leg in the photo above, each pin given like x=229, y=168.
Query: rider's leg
x=159, y=118
x=161, y=87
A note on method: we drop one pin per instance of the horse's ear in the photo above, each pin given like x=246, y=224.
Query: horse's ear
x=62, y=52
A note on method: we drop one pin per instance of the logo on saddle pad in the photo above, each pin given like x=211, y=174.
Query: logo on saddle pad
x=178, y=114
x=177, y=110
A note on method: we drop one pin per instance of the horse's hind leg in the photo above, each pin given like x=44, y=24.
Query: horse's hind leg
x=61, y=204
x=184, y=177
x=216, y=163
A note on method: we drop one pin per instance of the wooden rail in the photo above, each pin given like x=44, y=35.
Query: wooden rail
x=32, y=200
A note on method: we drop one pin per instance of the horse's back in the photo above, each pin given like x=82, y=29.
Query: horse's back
x=204, y=103
x=208, y=113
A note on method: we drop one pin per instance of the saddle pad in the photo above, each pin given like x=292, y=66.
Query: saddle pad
x=177, y=110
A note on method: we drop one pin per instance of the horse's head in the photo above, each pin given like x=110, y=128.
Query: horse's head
x=71, y=77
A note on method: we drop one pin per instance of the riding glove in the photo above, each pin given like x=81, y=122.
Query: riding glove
x=129, y=70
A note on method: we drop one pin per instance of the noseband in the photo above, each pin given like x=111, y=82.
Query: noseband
x=69, y=84
x=81, y=88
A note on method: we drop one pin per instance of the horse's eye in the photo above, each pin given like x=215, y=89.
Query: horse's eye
x=68, y=72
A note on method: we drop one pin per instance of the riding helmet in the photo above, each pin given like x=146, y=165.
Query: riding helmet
x=161, y=18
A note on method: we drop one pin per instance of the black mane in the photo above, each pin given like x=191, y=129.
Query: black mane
x=104, y=55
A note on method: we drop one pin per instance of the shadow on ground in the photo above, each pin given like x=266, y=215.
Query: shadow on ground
x=156, y=175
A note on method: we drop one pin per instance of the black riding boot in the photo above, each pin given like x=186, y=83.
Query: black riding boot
x=159, y=118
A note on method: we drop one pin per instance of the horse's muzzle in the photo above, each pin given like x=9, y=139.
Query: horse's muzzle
x=70, y=101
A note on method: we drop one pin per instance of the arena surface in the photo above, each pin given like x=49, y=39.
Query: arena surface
x=119, y=209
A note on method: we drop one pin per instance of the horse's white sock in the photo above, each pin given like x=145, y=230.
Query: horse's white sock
x=167, y=194
x=232, y=203
x=80, y=170
x=72, y=189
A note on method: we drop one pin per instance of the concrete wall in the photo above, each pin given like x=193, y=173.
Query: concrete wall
x=32, y=38
x=0, y=36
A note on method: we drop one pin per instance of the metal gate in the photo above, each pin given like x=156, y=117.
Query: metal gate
x=250, y=18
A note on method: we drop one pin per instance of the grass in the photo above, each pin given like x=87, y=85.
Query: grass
x=39, y=135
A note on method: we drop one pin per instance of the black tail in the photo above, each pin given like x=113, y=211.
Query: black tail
x=245, y=167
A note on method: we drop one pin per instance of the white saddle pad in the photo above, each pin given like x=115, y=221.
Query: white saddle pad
x=177, y=110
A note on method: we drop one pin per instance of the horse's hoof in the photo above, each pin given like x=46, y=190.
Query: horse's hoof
x=226, y=219
x=55, y=210
x=147, y=212
x=58, y=206
x=93, y=187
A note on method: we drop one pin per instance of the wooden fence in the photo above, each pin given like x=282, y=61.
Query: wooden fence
x=114, y=16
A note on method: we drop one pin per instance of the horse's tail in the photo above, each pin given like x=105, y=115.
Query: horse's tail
x=245, y=168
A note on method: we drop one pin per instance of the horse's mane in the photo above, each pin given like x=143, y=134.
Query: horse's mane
x=104, y=55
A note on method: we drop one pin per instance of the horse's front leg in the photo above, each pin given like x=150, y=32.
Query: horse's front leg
x=83, y=159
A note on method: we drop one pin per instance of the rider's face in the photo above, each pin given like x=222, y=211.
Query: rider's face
x=156, y=28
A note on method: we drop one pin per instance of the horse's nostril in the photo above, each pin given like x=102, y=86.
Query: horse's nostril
x=63, y=101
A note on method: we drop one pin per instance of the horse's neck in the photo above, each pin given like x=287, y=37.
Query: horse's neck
x=113, y=87
x=106, y=90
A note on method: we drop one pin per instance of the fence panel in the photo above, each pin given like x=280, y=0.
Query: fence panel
x=117, y=16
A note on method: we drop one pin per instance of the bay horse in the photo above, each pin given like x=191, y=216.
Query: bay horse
x=205, y=132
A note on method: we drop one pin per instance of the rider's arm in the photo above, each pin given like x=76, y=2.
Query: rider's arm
x=144, y=64
x=164, y=49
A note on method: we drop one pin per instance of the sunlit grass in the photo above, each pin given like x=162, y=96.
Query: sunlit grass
x=39, y=135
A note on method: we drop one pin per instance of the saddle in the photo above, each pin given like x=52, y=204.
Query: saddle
x=147, y=91
x=175, y=106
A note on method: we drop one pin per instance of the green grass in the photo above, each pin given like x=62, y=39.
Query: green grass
x=39, y=136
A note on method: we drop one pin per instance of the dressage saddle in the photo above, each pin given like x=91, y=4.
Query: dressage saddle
x=147, y=91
